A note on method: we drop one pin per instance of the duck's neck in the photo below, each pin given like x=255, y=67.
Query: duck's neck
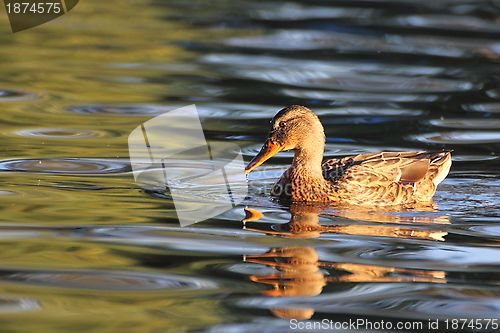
x=307, y=160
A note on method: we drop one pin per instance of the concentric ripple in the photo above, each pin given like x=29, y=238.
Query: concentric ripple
x=236, y=111
x=66, y=166
x=353, y=82
x=348, y=42
x=466, y=123
x=360, y=96
x=109, y=281
x=231, y=62
x=367, y=111
x=120, y=110
x=459, y=137
x=15, y=95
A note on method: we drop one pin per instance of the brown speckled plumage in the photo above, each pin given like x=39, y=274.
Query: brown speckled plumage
x=386, y=178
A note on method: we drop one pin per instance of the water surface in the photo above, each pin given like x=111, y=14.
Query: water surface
x=83, y=248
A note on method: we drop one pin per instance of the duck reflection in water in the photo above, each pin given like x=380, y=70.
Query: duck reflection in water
x=300, y=272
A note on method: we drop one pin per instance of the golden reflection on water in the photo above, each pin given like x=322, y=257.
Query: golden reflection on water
x=79, y=238
x=304, y=222
x=299, y=267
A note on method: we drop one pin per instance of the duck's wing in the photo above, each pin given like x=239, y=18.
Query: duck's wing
x=389, y=176
x=406, y=167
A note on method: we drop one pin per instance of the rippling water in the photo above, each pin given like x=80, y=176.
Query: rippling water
x=83, y=248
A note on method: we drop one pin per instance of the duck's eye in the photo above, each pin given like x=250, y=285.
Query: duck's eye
x=282, y=123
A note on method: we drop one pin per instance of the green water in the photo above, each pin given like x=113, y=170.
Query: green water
x=83, y=248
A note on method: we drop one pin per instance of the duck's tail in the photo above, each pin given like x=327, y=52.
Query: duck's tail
x=440, y=163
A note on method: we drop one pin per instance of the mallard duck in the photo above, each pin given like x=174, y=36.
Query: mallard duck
x=379, y=179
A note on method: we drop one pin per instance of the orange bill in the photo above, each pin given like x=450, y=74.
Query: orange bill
x=252, y=215
x=268, y=150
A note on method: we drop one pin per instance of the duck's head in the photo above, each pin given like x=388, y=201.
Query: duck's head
x=293, y=128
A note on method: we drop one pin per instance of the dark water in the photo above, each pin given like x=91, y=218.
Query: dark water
x=84, y=249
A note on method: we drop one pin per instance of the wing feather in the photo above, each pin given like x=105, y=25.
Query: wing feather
x=388, y=176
